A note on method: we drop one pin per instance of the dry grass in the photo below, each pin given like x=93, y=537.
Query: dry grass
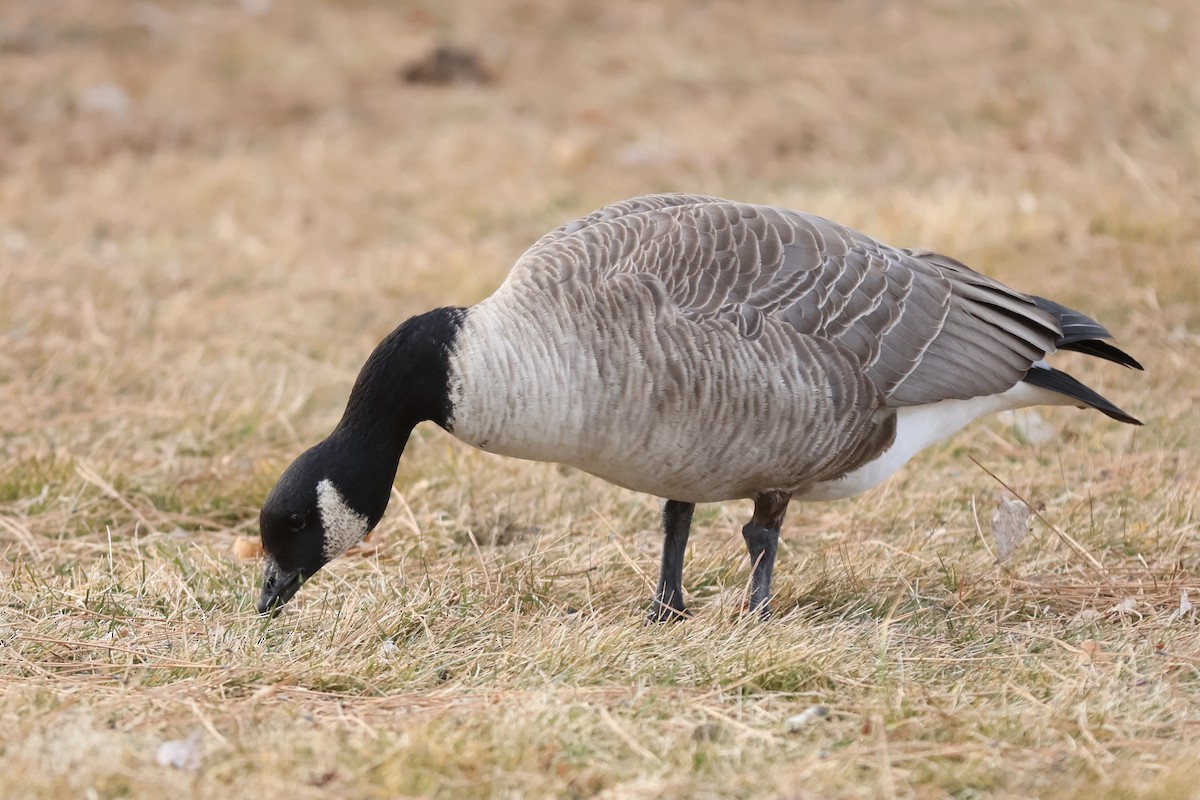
x=210, y=212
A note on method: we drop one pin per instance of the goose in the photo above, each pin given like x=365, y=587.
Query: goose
x=696, y=349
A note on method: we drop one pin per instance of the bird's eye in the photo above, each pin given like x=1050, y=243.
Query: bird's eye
x=295, y=521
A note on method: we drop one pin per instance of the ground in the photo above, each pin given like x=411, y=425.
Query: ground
x=211, y=212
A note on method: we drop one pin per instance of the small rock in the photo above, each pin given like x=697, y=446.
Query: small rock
x=1185, y=607
x=247, y=549
x=446, y=65
x=104, y=99
x=181, y=754
x=798, y=722
x=15, y=242
x=1010, y=523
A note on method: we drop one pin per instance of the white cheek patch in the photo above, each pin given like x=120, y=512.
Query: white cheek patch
x=344, y=527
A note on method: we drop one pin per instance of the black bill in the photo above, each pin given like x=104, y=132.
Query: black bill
x=277, y=587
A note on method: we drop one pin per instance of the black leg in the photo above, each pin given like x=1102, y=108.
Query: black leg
x=762, y=544
x=668, y=597
x=762, y=540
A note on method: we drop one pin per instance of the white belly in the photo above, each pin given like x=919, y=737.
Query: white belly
x=917, y=427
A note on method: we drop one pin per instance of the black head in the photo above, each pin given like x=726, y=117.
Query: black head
x=336, y=493
x=305, y=523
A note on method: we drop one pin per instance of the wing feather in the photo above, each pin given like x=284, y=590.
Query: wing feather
x=924, y=326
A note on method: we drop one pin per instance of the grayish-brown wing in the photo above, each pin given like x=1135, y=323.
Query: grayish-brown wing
x=924, y=326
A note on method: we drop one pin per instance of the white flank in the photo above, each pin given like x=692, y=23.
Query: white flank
x=344, y=527
x=917, y=427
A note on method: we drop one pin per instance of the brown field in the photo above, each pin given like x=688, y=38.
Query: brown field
x=211, y=212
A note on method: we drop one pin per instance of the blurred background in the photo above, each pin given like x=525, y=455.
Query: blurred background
x=211, y=212
x=222, y=184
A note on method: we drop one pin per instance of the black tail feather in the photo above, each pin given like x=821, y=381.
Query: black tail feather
x=1082, y=334
x=1095, y=347
x=1059, y=381
x=1075, y=326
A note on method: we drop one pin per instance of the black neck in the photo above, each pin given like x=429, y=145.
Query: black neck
x=405, y=381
